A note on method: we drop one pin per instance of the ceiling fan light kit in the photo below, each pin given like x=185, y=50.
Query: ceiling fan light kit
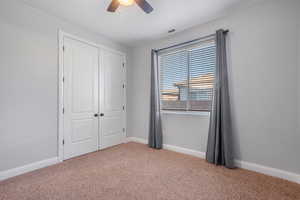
x=126, y=2
x=143, y=4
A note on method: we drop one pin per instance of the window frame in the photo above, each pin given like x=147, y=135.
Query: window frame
x=198, y=45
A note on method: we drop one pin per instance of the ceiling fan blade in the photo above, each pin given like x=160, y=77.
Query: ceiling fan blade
x=113, y=6
x=143, y=4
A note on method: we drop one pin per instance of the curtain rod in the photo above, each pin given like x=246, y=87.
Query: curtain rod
x=191, y=41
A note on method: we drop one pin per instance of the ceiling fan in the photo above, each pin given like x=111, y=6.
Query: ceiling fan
x=143, y=4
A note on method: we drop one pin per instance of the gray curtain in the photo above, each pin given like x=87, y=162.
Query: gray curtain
x=219, y=145
x=155, y=127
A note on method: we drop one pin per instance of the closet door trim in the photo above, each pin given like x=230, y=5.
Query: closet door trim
x=61, y=35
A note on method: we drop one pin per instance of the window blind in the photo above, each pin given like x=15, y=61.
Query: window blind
x=187, y=78
x=173, y=70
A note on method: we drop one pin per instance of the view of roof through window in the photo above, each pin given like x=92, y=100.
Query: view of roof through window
x=187, y=78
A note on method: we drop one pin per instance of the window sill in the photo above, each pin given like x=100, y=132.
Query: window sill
x=194, y=113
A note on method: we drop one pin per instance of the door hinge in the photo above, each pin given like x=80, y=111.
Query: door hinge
x=123, y=107
x=123, y=64
x=123, y=85
x=63, y=142
x=63, y=79
x=63, y=110
x=63, y=48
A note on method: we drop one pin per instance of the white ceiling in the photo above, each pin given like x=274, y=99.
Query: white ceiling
x=130, y=25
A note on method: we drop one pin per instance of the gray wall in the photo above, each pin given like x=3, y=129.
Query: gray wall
x=298, y=84
x=28, y=82
x=263, y=67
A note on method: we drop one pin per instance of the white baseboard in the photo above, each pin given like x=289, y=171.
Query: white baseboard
x=269, y=171
x=198, y=154
x=184, y=151
x=27, y=168
x=241, y=164
x=138, y=140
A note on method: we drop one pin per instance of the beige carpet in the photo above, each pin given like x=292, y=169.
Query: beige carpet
x=134, y=172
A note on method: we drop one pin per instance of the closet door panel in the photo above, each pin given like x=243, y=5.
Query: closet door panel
x=81, y=98
x=112, y=97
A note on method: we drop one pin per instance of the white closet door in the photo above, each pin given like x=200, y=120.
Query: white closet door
x=80, y=98
x=112, y=99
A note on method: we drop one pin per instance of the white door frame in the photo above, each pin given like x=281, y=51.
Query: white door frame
x=61, y=35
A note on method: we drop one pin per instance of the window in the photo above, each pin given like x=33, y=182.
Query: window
x=187, y=77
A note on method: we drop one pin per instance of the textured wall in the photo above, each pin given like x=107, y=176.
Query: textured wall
x=263, y=66
x=28, y=82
